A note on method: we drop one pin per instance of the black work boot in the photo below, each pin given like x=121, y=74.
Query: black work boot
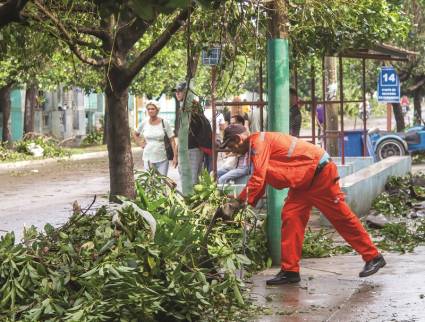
x=284, y=278
x=372, y=266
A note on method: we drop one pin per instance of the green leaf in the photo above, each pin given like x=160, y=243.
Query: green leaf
x=143, y=10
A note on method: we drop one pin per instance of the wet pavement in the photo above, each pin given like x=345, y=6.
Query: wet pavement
x=35, y=195
x=331, y=291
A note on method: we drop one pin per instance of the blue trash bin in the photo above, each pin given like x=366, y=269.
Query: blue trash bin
x=353, y=143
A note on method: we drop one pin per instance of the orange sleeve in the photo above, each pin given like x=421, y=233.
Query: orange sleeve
x=256, y=185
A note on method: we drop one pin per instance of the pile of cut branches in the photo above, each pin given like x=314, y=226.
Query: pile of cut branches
x=148, y=260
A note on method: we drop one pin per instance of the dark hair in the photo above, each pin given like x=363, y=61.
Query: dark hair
x=239, y=119
x=292, y=91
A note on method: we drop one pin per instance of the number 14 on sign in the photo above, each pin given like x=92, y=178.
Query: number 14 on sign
x=389, y=77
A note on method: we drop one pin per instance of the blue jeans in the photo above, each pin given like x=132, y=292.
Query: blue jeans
x=224, y=175
x=161, y=166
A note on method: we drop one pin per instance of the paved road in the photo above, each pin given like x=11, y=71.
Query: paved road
x=36, y=195
x=45, y=193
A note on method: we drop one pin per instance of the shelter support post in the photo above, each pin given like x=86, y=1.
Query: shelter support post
x=389, y=116
x=313, y=104
x=214, y=123
x=364, y=107
x=325, y=98
x=261, y=97
x=341, y=98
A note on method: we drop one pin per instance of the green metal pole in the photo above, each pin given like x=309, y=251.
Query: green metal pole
x=278, y=110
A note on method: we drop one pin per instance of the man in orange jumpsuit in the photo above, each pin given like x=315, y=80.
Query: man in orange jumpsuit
x=283, y=161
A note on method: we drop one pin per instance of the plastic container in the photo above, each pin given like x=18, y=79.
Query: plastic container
x=353, y=143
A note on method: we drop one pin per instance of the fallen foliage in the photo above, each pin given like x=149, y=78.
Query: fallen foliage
x=319, y=243
x=144, y=261
x=403, y=204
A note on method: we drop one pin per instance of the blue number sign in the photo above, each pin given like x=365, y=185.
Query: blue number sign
x=388, y=86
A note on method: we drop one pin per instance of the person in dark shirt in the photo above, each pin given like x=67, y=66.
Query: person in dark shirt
x=199, y=137
x=237, y=119
x=295, y=117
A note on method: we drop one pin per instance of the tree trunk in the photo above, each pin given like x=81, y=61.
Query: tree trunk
x=30, y=103
x=184, y=128
x=105, y=123
x=331, y=109
x=119, y=146
x=278, y=24
x=417, y=108
x=399, y=118
x=10, y=11
x=184, y=162
x=5, y=106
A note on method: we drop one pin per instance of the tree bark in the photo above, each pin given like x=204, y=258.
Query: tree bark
x=278, y=24
x=5, y=106
x=417, y=108
x=105, y=123
x=184, y=127
x=331, y=109
x=399, y=118
x=10, y=11
x=30, y=103
x=119, y=146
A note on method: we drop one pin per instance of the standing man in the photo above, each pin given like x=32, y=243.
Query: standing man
x=200, y=134
x=295, y=117
x=254, y=118
x=220, y=123
x=283, y=161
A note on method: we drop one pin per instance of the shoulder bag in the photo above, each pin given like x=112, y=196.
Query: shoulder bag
x=167, y=143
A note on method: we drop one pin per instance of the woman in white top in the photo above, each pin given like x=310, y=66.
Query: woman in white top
x=152, y=132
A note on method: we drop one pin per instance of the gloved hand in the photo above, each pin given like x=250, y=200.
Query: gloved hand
x=227, y=211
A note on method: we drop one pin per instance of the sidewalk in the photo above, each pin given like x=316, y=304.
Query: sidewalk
x=330, y=290
x=6, y=166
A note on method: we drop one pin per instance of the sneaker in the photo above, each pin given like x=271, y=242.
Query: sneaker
x=284, y=277
x=372, y=266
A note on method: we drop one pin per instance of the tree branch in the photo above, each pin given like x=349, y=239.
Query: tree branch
x=10, y=11
x=420, y=81
x=406, y=73
x=101, y=34
x=146, y=55
x=66, y=36
x=131, y=32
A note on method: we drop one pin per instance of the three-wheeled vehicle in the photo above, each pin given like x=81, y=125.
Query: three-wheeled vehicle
x=384, y=144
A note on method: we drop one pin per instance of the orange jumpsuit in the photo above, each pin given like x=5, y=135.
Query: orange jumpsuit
x=283, y=161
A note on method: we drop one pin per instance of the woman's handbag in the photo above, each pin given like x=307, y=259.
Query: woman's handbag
x=167, y=143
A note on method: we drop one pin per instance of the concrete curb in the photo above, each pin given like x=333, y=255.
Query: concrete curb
x=75, y=157
x=363, y=186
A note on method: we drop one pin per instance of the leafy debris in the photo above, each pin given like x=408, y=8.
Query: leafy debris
x=112, y=266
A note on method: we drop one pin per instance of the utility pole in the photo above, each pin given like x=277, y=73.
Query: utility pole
x=278, y=109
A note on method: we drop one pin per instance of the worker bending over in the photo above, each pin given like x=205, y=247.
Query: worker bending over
x=283, y=161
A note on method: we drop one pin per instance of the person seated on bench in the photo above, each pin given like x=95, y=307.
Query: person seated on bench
x=227, y=173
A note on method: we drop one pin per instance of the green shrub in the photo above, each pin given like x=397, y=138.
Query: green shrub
x=94, y=138
x=49, y=145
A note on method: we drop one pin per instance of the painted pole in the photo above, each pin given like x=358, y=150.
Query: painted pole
x=278, y=109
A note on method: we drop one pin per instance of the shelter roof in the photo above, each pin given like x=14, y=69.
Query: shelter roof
x=380, y=52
